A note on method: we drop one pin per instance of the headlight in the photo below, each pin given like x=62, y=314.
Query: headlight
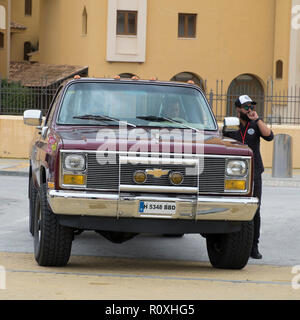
x=75, y=162
x=236, y=168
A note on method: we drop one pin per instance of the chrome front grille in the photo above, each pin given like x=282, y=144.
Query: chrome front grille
x=106, y=177
x=128, y=171
x=212, y=178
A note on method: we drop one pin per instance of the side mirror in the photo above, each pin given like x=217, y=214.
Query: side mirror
x=231, y=124
x=33, y=117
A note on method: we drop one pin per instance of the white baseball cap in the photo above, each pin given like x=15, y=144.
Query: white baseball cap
x=244, y=100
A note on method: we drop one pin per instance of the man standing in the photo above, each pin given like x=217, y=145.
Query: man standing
x=251, y=129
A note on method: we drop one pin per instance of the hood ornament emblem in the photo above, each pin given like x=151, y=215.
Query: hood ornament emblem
x=157, y=173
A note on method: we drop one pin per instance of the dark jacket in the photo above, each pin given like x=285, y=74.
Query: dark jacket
x=252, y=139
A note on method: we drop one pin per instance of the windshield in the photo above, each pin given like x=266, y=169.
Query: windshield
x=94, y=103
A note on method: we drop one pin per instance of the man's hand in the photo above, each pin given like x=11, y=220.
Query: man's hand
x=264, y=129
x=252, y=115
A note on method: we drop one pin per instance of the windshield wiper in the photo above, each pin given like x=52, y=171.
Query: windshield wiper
x=101, y=118
x=161, y=119
x=152, y=118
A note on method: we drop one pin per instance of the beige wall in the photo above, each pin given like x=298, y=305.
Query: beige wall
x=63, y=42
x=3, y=51
x=233, y=37
x=267, y=147
x=294, y=72
x=282, y=43
x=30, y=22
x=17, y=39
x=15, y=139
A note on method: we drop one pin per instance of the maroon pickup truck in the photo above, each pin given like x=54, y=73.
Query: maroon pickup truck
x=124, y=157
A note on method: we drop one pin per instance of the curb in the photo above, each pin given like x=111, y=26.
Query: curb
x=281, y=183
x=14, y=173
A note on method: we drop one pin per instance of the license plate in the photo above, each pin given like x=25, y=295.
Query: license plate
x=157, y=207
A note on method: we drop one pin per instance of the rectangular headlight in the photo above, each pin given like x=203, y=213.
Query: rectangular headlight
x=236, y=168
x=74, y=162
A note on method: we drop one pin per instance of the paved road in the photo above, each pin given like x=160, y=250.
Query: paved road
x=157, y=263
x=142, y=279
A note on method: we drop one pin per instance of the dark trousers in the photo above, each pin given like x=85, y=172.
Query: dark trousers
x=257, y=193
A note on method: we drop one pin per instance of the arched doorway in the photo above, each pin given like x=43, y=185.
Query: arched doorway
x=27, y=49
x=245, y=84
x=186, y=76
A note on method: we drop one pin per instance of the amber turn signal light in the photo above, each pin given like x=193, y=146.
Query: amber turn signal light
x=235, y=185
x=73, y=179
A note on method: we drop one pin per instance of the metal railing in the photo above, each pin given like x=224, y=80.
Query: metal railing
x=274, y=107
x=15, y=98
x=282, y=107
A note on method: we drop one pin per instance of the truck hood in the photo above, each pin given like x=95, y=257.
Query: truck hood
x=112, y=139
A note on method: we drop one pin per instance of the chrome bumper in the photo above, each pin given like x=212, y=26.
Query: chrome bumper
x=85, y=203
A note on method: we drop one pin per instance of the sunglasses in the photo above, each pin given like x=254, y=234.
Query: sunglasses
x=248, y=107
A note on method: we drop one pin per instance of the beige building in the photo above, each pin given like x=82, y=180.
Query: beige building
x=211, y=39
x=5, y=9
x=242, y=42
x=19, y=31
x=238, y=41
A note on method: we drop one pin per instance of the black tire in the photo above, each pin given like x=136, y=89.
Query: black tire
x=232, y=250
x=32, y=199
x=52, y=242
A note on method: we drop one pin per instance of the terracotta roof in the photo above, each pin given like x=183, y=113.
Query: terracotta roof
x=42, y=75
x=15, y=25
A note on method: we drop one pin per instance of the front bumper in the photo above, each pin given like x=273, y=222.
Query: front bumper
x=84, y=203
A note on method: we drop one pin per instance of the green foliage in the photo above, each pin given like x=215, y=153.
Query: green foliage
x=15, y=98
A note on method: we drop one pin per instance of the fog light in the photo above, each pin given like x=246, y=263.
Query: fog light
x=74, y=179
x=176, y=178
x=140, y=177
x=235, y=184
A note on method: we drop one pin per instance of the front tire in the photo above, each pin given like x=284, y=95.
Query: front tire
x=52, y=242
x=32, y=200
x=232, y=250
